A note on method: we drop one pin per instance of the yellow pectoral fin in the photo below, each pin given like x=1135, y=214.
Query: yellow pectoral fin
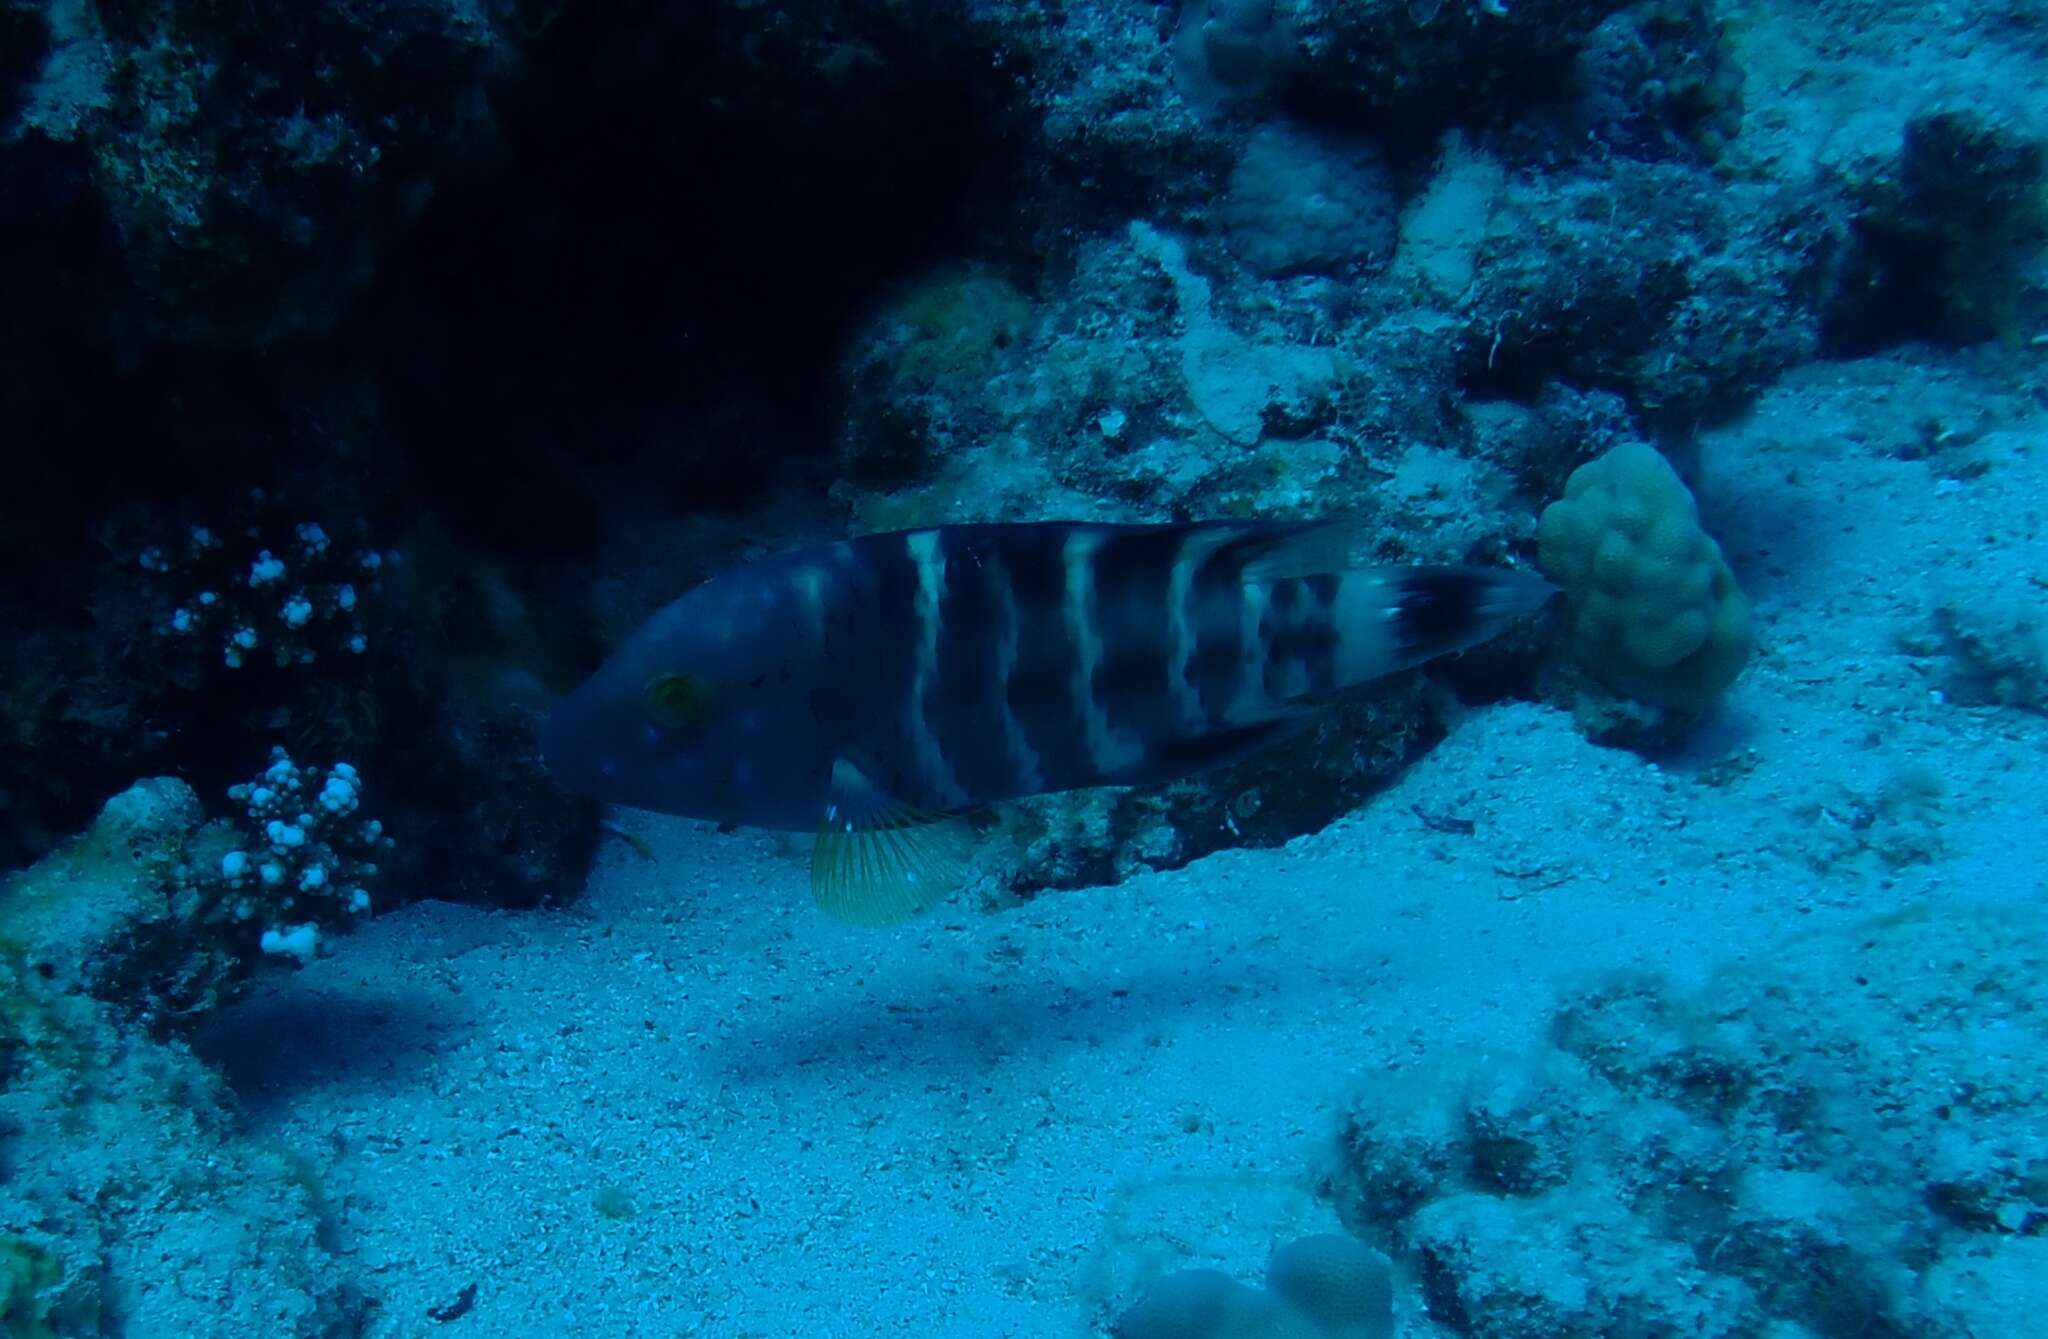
x=879, y=861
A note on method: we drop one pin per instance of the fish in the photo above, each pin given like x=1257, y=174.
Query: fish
x=878, y=690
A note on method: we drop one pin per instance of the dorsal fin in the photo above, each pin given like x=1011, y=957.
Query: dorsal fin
x=1287, y=551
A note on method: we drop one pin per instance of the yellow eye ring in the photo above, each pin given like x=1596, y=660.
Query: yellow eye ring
x=676, y=701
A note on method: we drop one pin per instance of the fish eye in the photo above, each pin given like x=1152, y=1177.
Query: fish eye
x=676, y=701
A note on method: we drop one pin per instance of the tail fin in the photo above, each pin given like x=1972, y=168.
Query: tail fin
x=1438, y=610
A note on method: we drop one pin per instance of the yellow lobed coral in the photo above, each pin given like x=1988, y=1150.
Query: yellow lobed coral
x=1653, y=611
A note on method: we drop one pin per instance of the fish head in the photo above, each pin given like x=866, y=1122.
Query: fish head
x=709, y=710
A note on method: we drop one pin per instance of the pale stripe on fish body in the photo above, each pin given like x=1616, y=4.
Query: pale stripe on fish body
x=871, y=688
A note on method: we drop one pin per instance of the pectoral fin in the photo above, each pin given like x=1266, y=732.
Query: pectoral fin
x=880, y=861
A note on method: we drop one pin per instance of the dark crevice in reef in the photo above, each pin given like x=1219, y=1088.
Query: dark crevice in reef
x=661, y=267
x=620, y=268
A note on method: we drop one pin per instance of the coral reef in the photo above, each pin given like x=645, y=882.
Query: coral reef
x=1408, y=262
x=1425, y=68
x=1943, y=233
x=1848, y=1140
x=288, y=606
x=1708, y=300
x=253, y=171
x=118, y=1148
x=917, y=377
x=370, y=366
x=212, y=641
x=302, y=862
x=1232, y=54
x=1997, y=652
x=1660, y=78
x=1300, y=203
x=160, y=912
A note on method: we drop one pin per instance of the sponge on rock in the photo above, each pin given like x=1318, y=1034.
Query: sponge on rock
x=1340, y=1283
x=1654, y=611
x=1320, y=1287
x=1204, y=1304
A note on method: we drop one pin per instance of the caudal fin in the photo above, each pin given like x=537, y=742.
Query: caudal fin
x=1438, y=610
